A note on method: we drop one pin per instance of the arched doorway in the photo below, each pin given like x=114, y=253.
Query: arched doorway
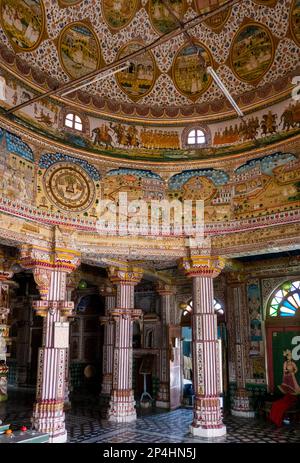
x=186, y=327
x=283, y=338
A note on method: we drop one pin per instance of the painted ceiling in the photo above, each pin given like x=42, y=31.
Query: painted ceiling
x=254, y=46
x=145, y=112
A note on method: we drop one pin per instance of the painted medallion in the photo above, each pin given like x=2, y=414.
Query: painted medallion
x=64, y=3
x=162, y=20
x=295, y=21
x=139, y=78
x=79, y=50
x=252, y=52
x=69, y=187
x=218, y=20
x=118, y=13
x=189, y=74
x=266, y=2
x=23, y=22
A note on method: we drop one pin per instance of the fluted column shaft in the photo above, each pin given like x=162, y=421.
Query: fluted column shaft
x=122, y=403
x=51, y=276
x=108, y=345
x=207, y=421
x=237, y=293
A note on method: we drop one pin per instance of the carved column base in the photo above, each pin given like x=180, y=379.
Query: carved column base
x=48, y=417
x=122, y=407
x=207, y=420
x=163, y=396
x=241, y=405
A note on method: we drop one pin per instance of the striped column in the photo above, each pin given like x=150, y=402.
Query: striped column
x=238, y=306
x=50, y=275
x=122, y=403
x=207, y=421
x=108, y=344
x=5, y=275
x=166, y=293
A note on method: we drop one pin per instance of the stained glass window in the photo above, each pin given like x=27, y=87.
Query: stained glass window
x=286, y=300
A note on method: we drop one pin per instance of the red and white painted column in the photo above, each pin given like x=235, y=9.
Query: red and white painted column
x=122, y=403
x=207, y=421
x=166, y=293
x=50, y=271
x=108, y=292
x=5, y=275
x=240, y=332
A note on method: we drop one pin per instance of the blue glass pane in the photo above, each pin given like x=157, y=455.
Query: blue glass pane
x=288, y=305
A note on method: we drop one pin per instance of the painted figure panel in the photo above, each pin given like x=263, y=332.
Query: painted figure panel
x=189, y=73
x=138, y=79
x=295, y=20
x=23, y=22
x=160, y=17
x=252, y=52
x=118, y=13
x=79, y=50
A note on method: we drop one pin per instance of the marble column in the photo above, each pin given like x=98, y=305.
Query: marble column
x=5, y=275
x=122, y=403
x=241, y=339
x=207, y=421
x=108, y=292
x=50, y=270
x=166, y=293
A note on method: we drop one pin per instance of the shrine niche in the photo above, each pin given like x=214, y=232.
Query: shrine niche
x=23, y=23
x=79, y=49
x=295, y=21
x=138, y=80
x=252, y=52
x=189, y=76
x=161, y=19
x=118, y=14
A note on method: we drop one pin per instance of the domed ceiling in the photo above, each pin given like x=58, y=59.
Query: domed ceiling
x=253, y=45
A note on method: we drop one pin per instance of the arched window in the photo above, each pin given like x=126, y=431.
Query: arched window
x=189, y=309
x=196, y=137
x=73, y=122
x=286, y=300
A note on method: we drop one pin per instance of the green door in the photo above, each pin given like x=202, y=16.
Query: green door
x=286, y=342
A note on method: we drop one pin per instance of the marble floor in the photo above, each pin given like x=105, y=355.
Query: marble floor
x=84, y=424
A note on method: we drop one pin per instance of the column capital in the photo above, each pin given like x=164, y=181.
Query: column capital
x=128, y=275
x=205, y=266
x=65, y=260
x=164, y=289
x=236, y=278
x=42, y=308
x=5, y=266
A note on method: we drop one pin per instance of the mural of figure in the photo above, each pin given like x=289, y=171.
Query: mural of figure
x=289, y=382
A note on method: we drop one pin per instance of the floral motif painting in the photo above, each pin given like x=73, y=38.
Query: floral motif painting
x=118, y=13
x=295, y=20
x=252, y=52
x=79, y=50
x=23, y=22
x=161, y=18
x=139, y=78
x=189, y=74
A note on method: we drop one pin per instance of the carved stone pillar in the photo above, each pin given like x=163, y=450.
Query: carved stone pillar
x=5, y=275
x=166, y=293
x=108, y=292
x=207, y=420
x=240, y=332
x=122, y=403
x=72, y=283
x=50, y=270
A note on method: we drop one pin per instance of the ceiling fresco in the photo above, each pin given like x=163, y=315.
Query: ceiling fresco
x=145, y=112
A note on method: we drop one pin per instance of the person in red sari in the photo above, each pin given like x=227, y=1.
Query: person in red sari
x=289, y=387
